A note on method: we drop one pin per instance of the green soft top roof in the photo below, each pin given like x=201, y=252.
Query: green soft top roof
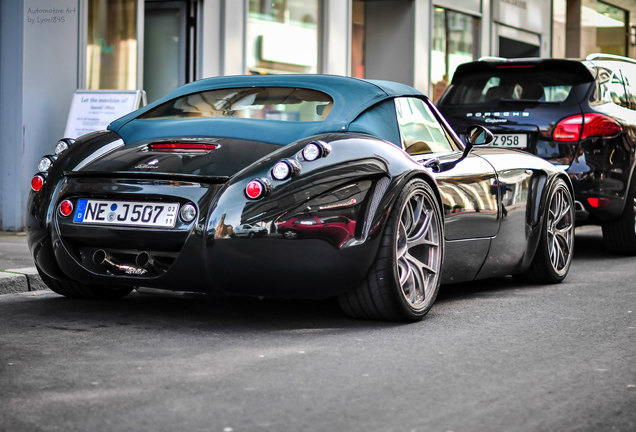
x=351, y=96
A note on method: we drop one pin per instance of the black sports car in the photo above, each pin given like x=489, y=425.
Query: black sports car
x=578, y=114
x=397, y=203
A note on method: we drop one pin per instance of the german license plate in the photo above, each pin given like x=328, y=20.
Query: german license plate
x=128, y=213
x=510, y=140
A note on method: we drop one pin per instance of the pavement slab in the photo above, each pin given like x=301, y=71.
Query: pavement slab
x=17, y=272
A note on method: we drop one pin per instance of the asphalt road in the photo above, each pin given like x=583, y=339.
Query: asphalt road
x=490, y=356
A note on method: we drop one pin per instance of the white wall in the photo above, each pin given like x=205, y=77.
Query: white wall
x=39, y=76
x=336, y=45
x=11, y=149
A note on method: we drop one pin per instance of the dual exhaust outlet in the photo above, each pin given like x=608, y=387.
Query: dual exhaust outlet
x=144, y=263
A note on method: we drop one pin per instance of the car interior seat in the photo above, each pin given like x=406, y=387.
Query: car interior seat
x=495, y=93
x=532, y=90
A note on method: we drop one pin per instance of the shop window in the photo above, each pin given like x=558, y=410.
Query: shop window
x=282, y=36
x=611, y=30
x=170, y=46
x=455, y=41
x=111, y=52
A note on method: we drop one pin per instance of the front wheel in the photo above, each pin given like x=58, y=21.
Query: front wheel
x=619, y=235
x=78, y=290
x=552, y=260
x=404, y=280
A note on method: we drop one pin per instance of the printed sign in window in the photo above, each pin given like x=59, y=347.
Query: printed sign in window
x=93, y=110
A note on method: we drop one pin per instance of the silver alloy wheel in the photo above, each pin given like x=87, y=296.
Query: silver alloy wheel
x=418, y=249
x=560, y=230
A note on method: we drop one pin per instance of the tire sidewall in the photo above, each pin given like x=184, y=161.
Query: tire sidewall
x=555, y=274
x=416, y=184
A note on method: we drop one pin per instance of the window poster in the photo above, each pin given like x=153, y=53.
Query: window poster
x=93, y=110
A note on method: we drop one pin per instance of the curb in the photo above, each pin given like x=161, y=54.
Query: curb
x=20, y=280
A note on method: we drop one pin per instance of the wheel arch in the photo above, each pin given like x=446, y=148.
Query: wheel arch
x=536, y=212
x=431, y=181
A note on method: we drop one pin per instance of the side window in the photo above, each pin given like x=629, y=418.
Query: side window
x=419, y=130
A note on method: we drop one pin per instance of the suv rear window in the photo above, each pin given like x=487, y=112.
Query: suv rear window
x=486, y=87
x=266, y=103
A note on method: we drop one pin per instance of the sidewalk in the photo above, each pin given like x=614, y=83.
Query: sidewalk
x=17, y=271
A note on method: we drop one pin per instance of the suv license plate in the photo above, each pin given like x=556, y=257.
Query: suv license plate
x=146, y=214
x=510, y=140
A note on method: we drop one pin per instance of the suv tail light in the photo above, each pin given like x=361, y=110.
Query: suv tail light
x=592, y=125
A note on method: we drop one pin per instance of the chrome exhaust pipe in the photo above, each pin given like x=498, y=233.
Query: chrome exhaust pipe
x=150, y=263
x=103, y=259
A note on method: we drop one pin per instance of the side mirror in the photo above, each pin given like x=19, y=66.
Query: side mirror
x=478, y=135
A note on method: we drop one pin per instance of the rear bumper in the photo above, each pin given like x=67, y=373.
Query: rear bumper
x=200, y=256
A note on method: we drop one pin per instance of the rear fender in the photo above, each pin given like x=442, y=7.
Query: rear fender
x=40, y=205
x=358, y=179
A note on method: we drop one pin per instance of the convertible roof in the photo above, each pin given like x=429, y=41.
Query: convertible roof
x=351, y=96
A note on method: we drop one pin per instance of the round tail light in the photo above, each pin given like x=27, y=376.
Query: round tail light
x=60, y=147
x=257, y=188
x=37, y=182
x=66, y=208
x=44, y=164
x=315, y=150
x=285, y=169
x=254, y=189
x=188, y=212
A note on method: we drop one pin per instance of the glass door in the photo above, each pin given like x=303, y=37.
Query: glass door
x=169, y=38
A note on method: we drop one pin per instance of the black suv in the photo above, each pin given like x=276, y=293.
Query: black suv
x=577, y=114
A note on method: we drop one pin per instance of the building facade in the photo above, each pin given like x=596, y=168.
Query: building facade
x=51, y=48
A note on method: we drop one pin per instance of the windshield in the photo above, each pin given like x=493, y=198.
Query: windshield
x=265, y=103
x=492, y=86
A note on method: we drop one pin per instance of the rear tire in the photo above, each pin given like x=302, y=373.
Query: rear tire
x=552, y=260
x=404, y=280
x=619, y=235
x=82, y=291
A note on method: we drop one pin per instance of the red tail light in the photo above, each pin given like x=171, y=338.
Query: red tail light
x=599, y=202
x=258, y=188
x=66, y=208
x=254, y=189
x=37, y=182
x=182, y=146
x=592, y=125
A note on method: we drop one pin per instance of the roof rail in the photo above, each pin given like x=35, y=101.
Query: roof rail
x=492, y=58
x=601, y=56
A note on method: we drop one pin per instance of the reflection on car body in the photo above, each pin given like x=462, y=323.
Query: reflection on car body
x=334, y=228
x=249, y=230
